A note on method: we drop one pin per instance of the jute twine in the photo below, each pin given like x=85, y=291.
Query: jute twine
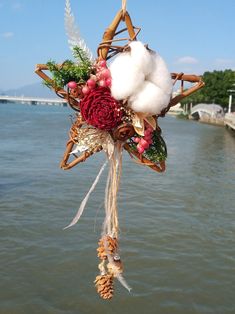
x=123, y=7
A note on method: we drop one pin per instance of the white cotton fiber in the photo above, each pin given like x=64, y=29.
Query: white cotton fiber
x=141, y=57
x=149, y=99
x=141, y=77
x=126, y=77
x=160, y=75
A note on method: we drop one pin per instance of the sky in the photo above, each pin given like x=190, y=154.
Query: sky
x=191, y=36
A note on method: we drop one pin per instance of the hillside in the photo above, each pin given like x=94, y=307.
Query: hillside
x=32, y=90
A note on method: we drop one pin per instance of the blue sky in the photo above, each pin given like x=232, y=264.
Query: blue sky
x=192, y=36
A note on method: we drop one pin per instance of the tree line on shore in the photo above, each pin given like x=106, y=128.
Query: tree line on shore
x=217, y=84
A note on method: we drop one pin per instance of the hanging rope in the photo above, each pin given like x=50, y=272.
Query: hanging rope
x=110, y=226
x=123, y=7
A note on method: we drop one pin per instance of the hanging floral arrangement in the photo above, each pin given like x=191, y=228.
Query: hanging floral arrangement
x=118, y=98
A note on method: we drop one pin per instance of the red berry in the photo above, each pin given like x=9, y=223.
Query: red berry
x=136, y=139
x=144, y=143
x=108, y=82
x=72, y=85
x=147, y=132
x=102, y=63
x=102, y=83
x=147, y=136
x=91, y=83
x=140, y=149
x=105, y=74
x=150, y=128
x=85, y=90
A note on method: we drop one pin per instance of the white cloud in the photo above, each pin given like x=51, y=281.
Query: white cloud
x=7, y=35
x=186, y=60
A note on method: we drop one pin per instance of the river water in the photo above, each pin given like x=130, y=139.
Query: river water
x=177, y=229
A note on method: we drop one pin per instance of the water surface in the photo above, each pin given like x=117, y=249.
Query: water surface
x=177, y=228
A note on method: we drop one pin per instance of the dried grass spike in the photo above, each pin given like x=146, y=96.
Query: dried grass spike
x=104, y=286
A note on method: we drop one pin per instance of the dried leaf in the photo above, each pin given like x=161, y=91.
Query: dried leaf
x=139, y=131
x=151, y=121
x=138, y=123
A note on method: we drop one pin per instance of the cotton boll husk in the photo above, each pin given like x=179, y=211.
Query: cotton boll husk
x=141, y=57
x=149, y=99
x=126, y=77
x=160, y=75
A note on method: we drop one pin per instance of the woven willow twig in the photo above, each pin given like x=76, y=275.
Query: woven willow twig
x=65, y=165
x=106, y=47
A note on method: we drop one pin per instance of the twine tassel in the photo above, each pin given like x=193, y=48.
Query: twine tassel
x=110, y=226
x=83, y=204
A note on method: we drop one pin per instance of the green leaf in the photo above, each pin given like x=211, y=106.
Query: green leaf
x=157, y=151
x=69, y=71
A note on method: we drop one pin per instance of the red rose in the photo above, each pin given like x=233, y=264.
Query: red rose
x=100, y=109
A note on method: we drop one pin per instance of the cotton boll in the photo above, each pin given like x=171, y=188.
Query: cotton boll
x=141, y=57
x=150, y=99
x=126, y=77
x=160, y=75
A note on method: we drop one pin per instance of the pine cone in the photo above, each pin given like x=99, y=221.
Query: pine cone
x=111, y=246
x=104, y=286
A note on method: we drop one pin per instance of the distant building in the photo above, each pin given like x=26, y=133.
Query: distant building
x=175, y=110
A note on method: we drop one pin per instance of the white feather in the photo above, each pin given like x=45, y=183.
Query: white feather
x=160, y=75
x=149, y=99
x=72, y=31
x=126, y=77
x=141, y=57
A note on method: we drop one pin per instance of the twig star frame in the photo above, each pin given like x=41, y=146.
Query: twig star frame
x=118, y=102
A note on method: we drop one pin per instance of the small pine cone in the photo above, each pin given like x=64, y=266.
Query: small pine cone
x=104, y=286
x=101, y=253
x=111, y=245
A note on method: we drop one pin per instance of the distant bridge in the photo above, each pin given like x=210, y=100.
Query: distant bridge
x=33, y=100
x=211, y=111
x=229, y=120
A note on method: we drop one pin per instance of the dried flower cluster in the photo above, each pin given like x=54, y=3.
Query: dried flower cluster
x=100, y=109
